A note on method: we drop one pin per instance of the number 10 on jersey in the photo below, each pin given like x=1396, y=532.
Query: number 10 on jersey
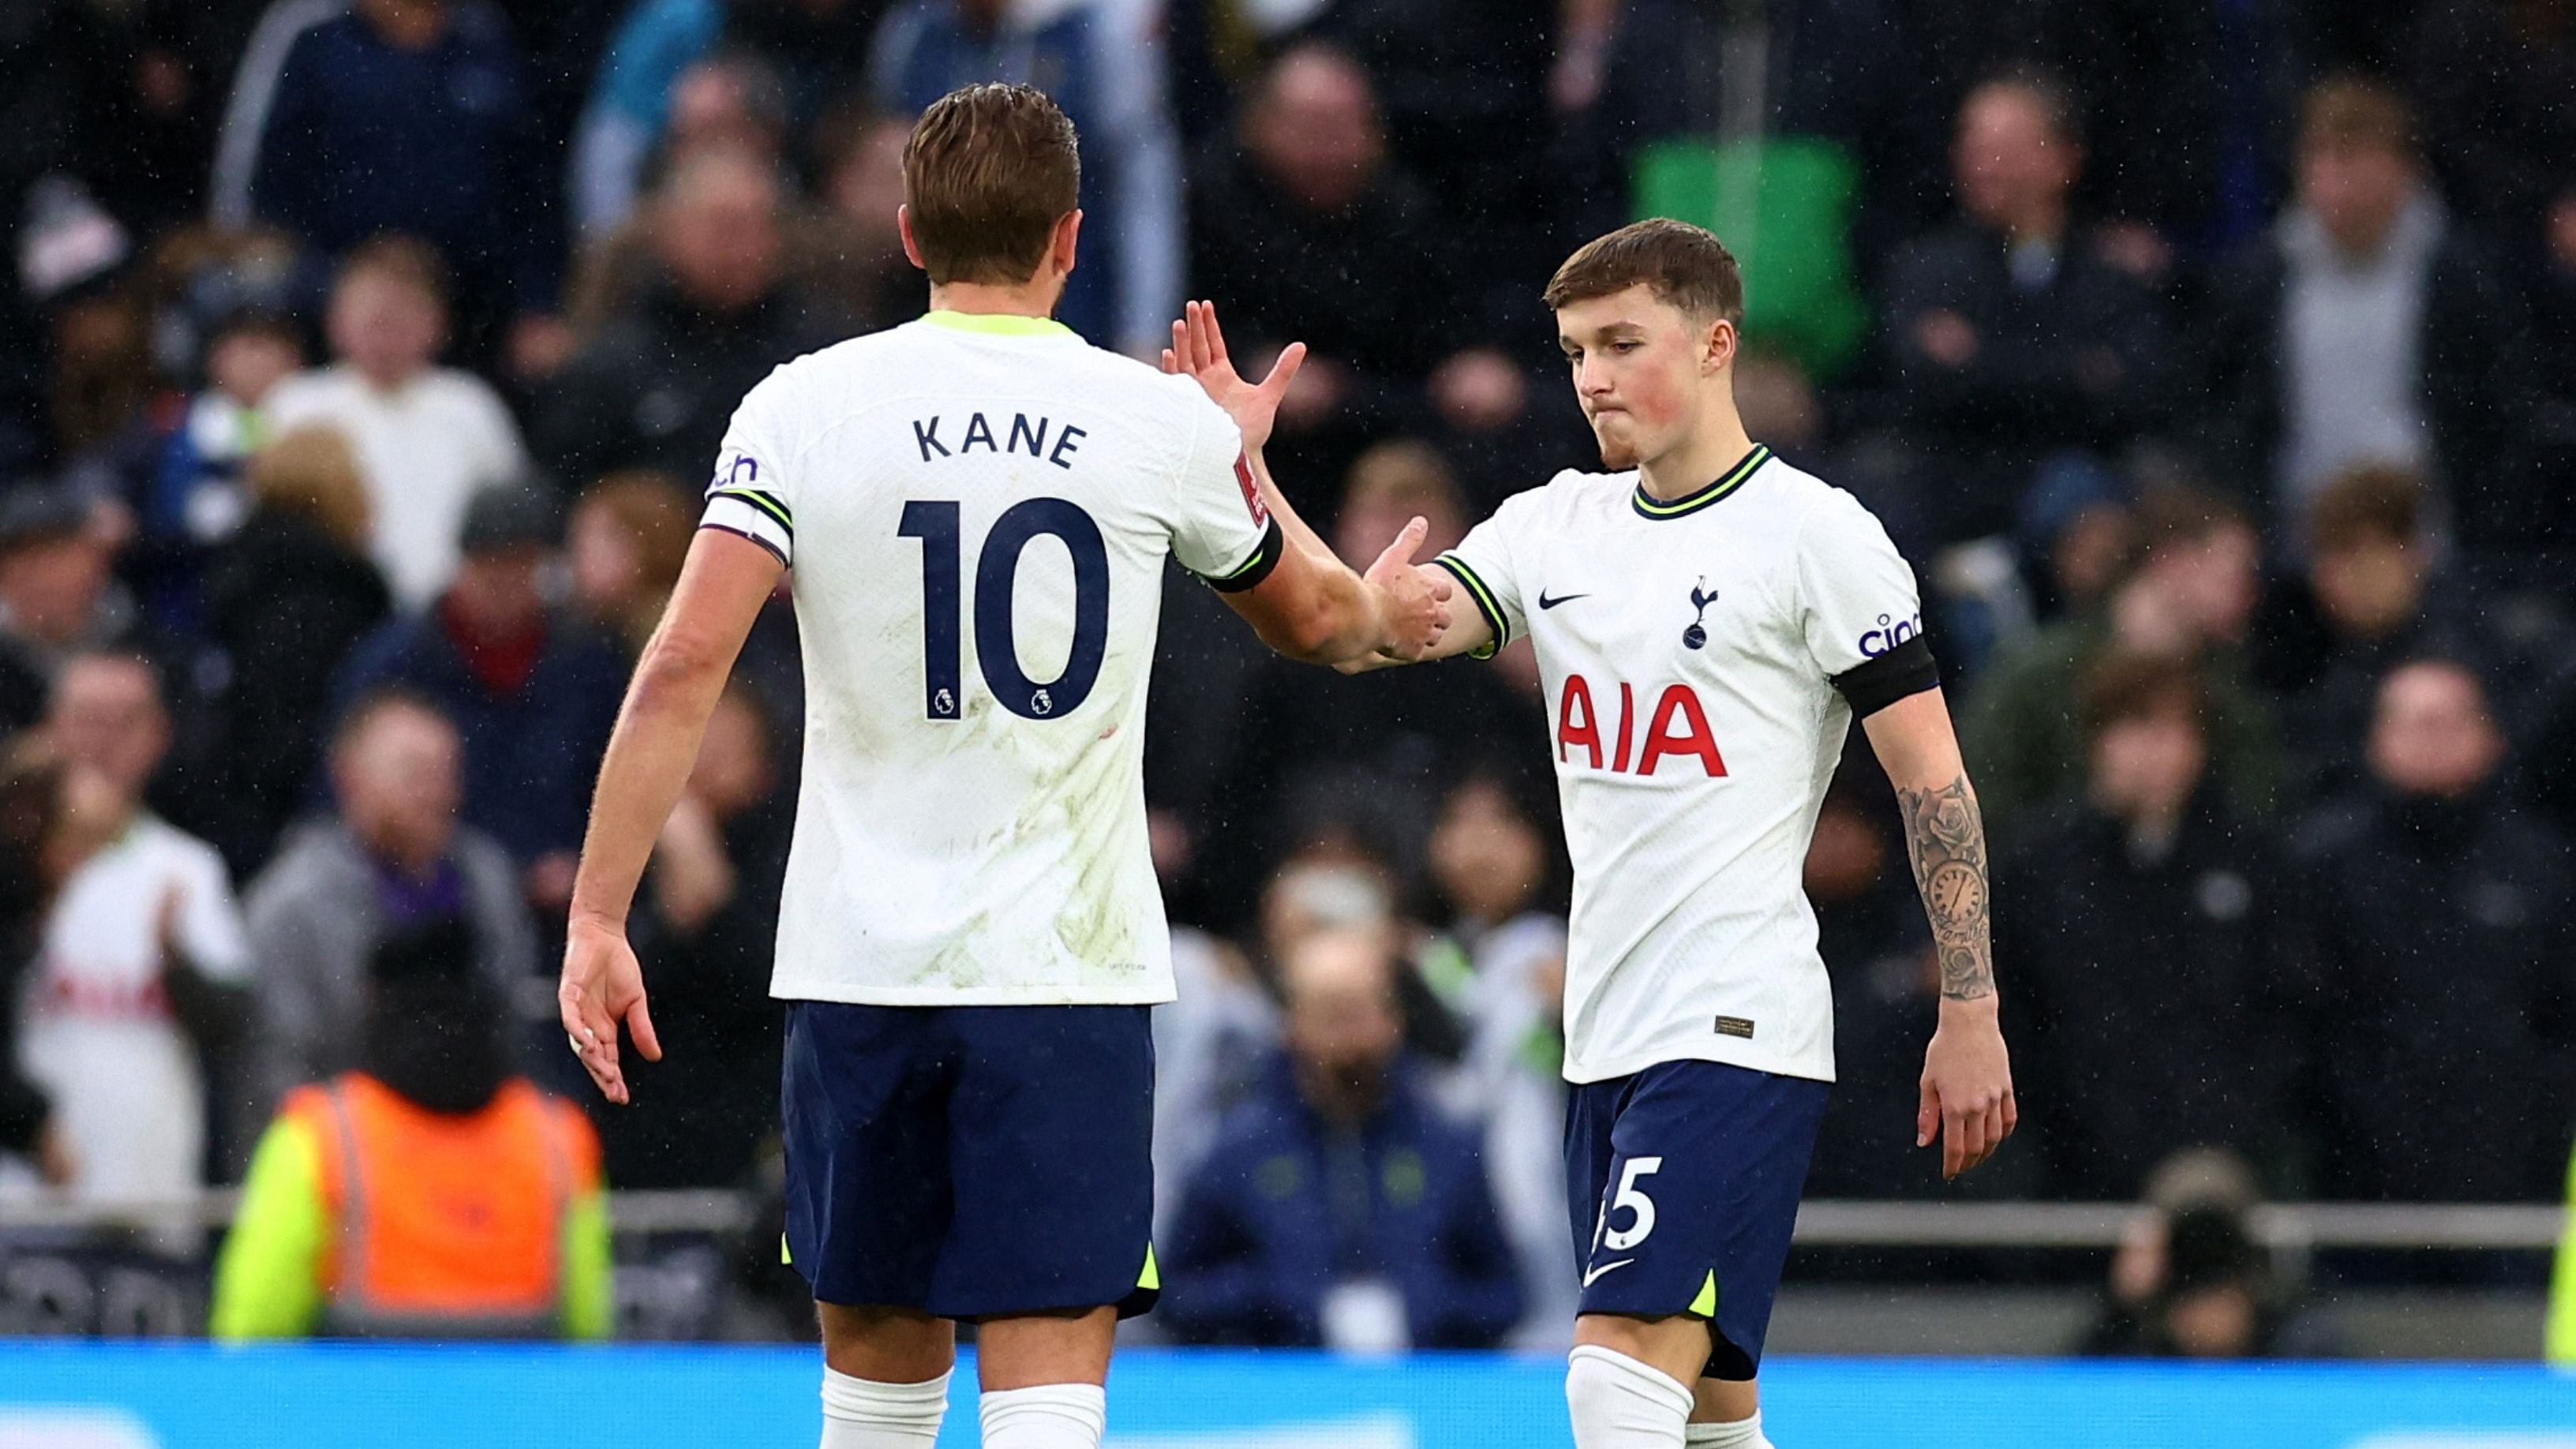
x=997, y=574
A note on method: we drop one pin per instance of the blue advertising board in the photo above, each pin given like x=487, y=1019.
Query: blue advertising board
x=69, y=1395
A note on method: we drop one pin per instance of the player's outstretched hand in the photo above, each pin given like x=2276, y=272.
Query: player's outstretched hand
x=1417, y=598
x=603, y=985
x=1198, y=349
x=1967, y=1097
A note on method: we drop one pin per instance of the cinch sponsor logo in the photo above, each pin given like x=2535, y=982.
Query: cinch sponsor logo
x=1889, y=635
x=1676, y=730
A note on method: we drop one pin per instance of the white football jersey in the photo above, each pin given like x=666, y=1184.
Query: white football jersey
x=1691, y=652
x=976, y=510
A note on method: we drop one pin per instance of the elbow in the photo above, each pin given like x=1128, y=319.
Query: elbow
x=675, y=669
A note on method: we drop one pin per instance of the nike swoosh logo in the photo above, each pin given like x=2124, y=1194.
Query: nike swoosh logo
x=1604, y=1268
x=1545, y=602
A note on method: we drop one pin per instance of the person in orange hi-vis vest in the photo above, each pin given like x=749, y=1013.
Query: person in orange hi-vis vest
x=433, y=1193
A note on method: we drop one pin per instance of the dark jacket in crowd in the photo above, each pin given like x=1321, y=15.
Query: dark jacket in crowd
x=23, y=1106
x=285, y=605
x=2077, y=360
x=659, y=382
x=2436, y=1002
x=1284, y=273
x=1257, y=1245
x=2479, y=382
x=2150, y=991
x=530, y=756
x=365, y=137
x=711, y=1108
x=2326, y=685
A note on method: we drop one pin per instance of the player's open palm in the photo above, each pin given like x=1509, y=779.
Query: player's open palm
x=1967, y=1093
x=1198, y=349
x=603, y=985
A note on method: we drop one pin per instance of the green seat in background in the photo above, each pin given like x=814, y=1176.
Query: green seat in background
x=1783, y=205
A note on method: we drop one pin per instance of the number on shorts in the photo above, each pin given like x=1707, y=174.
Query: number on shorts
x=1620, y=1240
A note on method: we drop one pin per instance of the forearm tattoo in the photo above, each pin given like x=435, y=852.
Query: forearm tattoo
x=1947, y=841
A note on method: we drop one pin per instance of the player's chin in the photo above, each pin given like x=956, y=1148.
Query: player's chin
x=1618, y=451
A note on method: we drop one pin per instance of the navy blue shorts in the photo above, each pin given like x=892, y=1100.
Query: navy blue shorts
x=1683, y=1182
x=971, y=1161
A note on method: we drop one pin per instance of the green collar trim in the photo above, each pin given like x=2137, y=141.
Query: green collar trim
x=1649, y=506
x=998, y=324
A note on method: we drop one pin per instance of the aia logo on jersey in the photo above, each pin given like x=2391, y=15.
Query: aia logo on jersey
x=1676, y=730
x=1251, y=490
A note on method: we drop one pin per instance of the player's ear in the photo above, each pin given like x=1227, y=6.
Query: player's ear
x=1062, y=247
x=903, y=228
x=1718, y=347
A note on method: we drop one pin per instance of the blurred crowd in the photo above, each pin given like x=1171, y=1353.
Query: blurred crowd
x=2214, y=362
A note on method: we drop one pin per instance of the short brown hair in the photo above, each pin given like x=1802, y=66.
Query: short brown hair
x=989, y=171
x=406, y=260
x=2127, y=687
x=2354, y=110
x=312, y=472
x=2371, y=501
x=1684, y=265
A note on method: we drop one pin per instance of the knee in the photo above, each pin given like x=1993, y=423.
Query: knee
x=886, y=1345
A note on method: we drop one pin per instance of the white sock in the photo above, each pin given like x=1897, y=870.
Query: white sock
x=1740, y=1434
x=1619, y=1403
x=864, y=1414
x=1050, y=1416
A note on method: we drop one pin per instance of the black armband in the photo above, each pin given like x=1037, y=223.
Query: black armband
x=1907, y=669
x=1254, y=569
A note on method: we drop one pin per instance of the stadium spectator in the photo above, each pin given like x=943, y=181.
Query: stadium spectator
x=2190, y=1280
x=430, y=1192
x=428, y=437
x=533, y=692
x=391, y=858
x=719, y=102
x=2438, y=915
x=2372, y=596
x=2011, y=337
x=728, y=104
x=409, y=116
x=1302, y=211
x=145, y=962
x=628, y=536
x=285, y=599
x=1500, y=966
x=630, y=101
x=706, y=933
x=2146, y=912
x=2369, y=328
x=1339, y=1208
x=858, y=157
x=1103, y=65
x=38, y=839
x=197, y=498
x=57, y=595
x=654, y=385
x=2189, y=592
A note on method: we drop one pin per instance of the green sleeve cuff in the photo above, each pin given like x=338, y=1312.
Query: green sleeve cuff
x=1475, y=586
